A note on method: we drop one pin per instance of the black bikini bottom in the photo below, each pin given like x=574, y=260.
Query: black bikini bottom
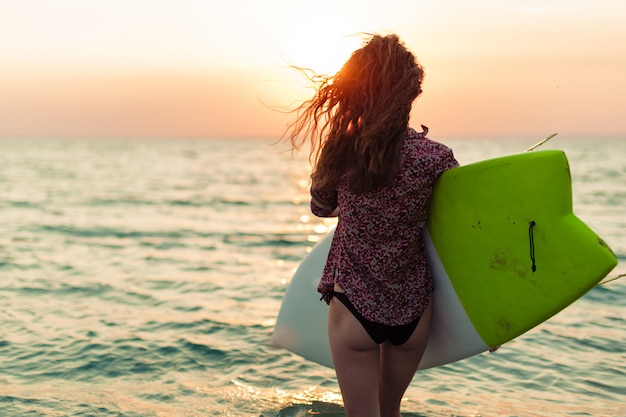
x=396, y=335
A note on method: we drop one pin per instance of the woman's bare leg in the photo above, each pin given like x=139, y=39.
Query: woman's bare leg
x=398, y=365
x=356, y=359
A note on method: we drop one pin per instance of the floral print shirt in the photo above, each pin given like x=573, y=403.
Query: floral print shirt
x=377, y=255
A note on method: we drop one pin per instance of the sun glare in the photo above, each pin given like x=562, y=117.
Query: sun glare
x=322, y=44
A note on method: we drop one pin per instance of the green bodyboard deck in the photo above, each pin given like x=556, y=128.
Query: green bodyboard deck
x=512, y=247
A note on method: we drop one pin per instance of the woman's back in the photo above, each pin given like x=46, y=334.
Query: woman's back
x=378, y=257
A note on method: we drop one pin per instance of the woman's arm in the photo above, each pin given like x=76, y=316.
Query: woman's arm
x=324, y=204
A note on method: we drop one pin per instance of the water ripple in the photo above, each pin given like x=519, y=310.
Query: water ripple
x=142, y=278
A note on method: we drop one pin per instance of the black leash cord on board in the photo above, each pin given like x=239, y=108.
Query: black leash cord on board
x=531, y=238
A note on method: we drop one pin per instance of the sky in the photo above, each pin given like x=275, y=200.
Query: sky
x=208, y=68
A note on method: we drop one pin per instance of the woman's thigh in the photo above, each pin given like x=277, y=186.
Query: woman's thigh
x=356, y=358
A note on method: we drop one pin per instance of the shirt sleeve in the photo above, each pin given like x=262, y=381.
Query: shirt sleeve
x=446, y=161
x=323, y=202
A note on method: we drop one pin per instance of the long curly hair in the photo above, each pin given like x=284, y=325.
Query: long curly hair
x=357, y=119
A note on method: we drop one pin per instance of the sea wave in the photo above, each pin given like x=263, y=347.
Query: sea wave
x=143, y=278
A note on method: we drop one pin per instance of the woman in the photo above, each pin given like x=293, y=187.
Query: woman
x=376, y=174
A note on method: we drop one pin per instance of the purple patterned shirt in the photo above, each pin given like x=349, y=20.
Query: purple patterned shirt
x=377, y=255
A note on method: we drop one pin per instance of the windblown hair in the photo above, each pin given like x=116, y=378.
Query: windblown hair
x=357, y=119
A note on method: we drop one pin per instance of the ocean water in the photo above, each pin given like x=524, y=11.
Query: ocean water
x=142, y=278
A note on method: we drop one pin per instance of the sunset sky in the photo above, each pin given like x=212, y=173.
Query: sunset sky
x=204, y=68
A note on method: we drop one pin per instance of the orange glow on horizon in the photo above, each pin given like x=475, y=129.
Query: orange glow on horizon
x=218, y=69
x=209, y=105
